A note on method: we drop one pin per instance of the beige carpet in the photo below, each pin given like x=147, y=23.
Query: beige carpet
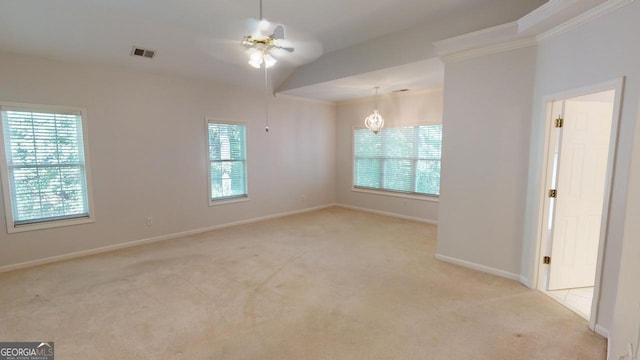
x=331, y=284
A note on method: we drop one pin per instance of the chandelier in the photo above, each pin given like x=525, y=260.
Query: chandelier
x=374, y=121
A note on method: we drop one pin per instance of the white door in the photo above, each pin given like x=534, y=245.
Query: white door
x=581, y=170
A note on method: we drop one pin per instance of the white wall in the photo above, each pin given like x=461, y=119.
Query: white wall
x=397, y=109
x=602, y=50
x=148, y=152
x=487, y=104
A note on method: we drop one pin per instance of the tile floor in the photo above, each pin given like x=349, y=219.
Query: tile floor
x=577, y=300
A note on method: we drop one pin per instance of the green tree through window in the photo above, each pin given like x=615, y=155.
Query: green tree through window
x=401, y=159
x=45, y=165
x=227, y=156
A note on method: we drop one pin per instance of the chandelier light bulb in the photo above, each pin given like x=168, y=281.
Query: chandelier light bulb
x=374, y=122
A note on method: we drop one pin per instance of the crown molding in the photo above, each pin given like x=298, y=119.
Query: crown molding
x=477, y=39
x=490, y=50
x=551, y=19
x=586, y=17
x=544, y=13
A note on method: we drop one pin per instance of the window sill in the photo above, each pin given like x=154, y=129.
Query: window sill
x=49, y=225
x=228, y=201
x=429, y=198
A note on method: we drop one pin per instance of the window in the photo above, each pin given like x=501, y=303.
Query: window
x=45, y=169
x=403, y=159
x=227, y=161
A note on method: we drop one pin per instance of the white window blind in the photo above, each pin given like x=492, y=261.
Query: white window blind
x=45, y=165
x=401, y=159
x=227, y=156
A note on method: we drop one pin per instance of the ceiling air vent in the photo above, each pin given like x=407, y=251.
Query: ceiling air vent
x=138, y=51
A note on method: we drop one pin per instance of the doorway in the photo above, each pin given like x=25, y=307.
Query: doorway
x=581, y=142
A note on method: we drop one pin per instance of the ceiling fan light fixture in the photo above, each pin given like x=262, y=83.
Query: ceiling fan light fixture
x=269, y=60
x=263, y=26
x=255, y=58
x=263, y=41
x=255, y=63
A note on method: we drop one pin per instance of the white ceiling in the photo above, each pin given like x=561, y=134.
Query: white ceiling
x=200, y=38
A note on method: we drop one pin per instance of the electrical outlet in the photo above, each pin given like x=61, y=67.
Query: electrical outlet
x=149, y=220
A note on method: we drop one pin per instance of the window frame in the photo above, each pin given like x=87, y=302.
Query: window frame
x=384, y=192
x=232, y=199
x=12, y=227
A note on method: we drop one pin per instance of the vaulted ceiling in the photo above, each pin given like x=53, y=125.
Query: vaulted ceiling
x=344, y=48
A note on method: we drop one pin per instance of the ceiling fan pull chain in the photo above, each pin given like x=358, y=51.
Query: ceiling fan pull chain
x=266, y=97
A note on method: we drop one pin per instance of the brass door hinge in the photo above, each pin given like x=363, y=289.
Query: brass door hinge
x=547, y=260
x=559, y=122
x=553, y=193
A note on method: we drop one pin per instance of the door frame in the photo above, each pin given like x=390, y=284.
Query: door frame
x=540, y=272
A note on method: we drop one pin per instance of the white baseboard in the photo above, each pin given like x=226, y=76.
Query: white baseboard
x=474, y=266
x=526, y=282
x=602, y=331
x=110, y=248
x=394, y=215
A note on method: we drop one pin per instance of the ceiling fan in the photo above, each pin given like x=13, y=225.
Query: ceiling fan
x=264, y=42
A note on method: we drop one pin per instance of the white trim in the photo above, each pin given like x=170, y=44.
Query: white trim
x=245, y=196
x=526, y=282
x=390, y=214
x=385, y=192
x=477, y=39
x=487, y=33
x=478, y=267
x=604, y=333
x=234, y=200
x=600, y=330
x=586, y=17
x=12, y=229
x=490, y=50
x=541, y=13
x=105, y=249
x=430, y=198
x=541, y=247
x=541, y=227
x=4, y=169
x=551, y=19
x=618, y=87
x=545, y=12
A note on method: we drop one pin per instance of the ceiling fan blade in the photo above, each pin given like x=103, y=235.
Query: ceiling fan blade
x=278, y=32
